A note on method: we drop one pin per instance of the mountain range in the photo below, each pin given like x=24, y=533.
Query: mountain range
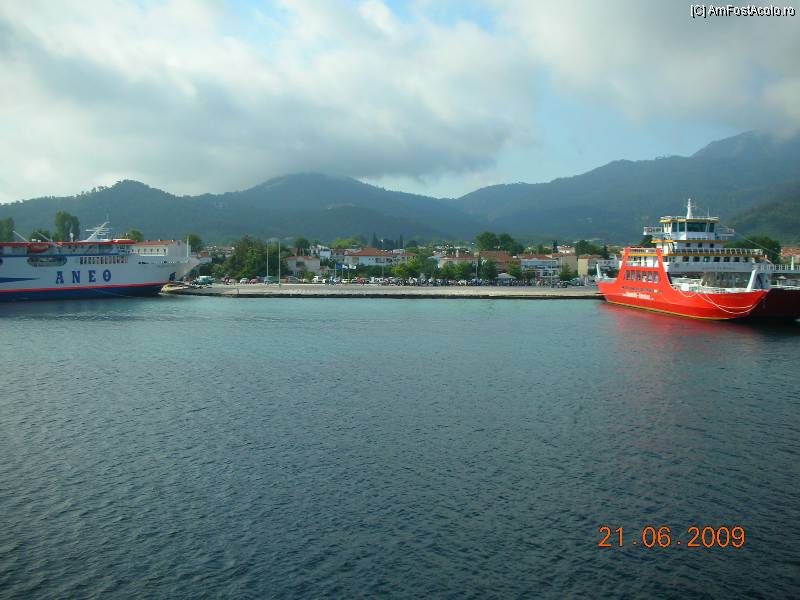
x=751, y=181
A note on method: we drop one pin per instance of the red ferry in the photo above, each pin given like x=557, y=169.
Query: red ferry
x=690, y=273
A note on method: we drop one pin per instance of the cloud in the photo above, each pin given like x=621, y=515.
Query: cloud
x=200, y=95
x=653, y=59
x=172, y=94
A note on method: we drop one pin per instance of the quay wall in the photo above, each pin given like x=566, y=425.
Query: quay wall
x=385, y=291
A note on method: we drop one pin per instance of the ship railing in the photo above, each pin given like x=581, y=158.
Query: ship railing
x=718, y=251
x=681, y=235
x=781, y=268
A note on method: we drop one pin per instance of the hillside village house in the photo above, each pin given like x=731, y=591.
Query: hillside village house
x=323, y=252
x=543, y=266
x=443, y=260
x=373, y=257
x=791, y=255
x=501, y=258
x=587, y=264
x=298, y=264
x=568, y=260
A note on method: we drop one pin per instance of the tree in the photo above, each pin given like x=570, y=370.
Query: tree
x=375, y=242
x=540, y=249
x=604, y=252
x=68, y=227
x=342, y=243
x=646, y=241
x=565, y=274
x=515, y=269
x=448, y=271
x=488, y=269
x=195, y=243
x=7, y=230
x=301, y=245
x=555, y=246
x=429, y=266
x=40, y=234
x=415, y=266
x=402, y=271
x=464, y=270
x=134, y=234
x=771, y=247
x=509, y=244
x=487, y=241
x=583, y=247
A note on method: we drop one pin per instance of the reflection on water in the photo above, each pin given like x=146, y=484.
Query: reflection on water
x=182, y=447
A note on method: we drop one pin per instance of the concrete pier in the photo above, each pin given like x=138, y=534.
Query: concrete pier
x=310, y=290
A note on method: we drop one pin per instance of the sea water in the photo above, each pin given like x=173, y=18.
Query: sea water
x=251, y=448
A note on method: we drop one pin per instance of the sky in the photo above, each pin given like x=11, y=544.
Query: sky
x=432, y=97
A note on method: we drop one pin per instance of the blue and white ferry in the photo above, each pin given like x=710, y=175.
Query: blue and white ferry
x=97, y=267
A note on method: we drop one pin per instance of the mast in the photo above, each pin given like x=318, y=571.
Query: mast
x=689, y=214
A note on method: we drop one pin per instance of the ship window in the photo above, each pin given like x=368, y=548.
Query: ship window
x=696, y=258
x=688, y=245
x=716, y=259
x=674, y=227
x=655, y=278
x=695, y=227
x=711, y=227
x=47, y=261
x=711, y=245
x=735, y=259
x=700, y=245
x=682, y=226
x=726, y=259
x=706, y=259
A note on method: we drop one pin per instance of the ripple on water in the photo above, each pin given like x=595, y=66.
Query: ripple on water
x=203, y=447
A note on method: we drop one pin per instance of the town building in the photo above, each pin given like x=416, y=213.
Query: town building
x=373, y=257
x=588, y=263
x=541, y=266
x=298, y=264
x=501, y=258
x=443, y=260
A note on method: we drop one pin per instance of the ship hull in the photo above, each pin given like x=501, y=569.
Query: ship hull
x=779, y=304
x=110, y=291
x=718, y=307
x=649, y=288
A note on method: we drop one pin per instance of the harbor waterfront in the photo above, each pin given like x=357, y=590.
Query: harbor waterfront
x=303, y=290
x=189, y=447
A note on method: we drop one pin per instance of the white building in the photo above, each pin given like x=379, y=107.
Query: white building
x=373, y=257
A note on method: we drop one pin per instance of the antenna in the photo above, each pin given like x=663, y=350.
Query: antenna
x=99, y=233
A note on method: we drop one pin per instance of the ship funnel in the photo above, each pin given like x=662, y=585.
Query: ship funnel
x=689, y=214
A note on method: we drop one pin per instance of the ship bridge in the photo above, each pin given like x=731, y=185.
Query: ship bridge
x=690, y=228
